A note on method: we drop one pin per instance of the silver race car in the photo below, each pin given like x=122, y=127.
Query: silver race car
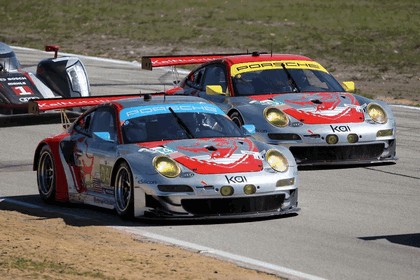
x=292, y=101
x=164, y=157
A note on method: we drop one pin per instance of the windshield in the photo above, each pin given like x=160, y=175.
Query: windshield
x=277, y=81
x=168, y=127
x=8, y=62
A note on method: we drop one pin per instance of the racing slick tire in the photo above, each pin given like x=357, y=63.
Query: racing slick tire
x=124, y=191
x=46, y=175
x=236, y=118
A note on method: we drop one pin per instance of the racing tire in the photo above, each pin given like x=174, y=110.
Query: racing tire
x=124, y=191
x=236, y=118
x=46, y=175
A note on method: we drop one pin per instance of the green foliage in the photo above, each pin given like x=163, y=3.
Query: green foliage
x=41, y=267
x=376, y=33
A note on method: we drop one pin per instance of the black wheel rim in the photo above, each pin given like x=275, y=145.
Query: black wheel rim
x=46, y=174
x=123, y=189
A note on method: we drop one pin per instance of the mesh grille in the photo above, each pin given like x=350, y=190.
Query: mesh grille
x=338, y=153
x=241, y=205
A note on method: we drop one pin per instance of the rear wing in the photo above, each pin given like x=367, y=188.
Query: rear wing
x=35, y=106
x=148, y=62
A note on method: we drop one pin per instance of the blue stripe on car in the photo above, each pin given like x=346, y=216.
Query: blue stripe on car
x=140, y=111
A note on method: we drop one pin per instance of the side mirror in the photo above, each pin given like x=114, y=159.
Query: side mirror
x=214, y=90
x=248, y=129
x=349, y=86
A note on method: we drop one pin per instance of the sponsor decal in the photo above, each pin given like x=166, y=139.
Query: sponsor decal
x=296, y=124
x=22, y=90
x=220, y=156
x=267, y=102
x=340, y=128
x=186, y=175
x=105, y=174
x=328, y=109
x=26, y=99
x=147, y=182
x=236, y=179
x=100, y=200
x=17, y=79
x=160, y=150
x=129, y=113
x=264, y=65
x=256, y=155
x=108, y=191
x=17, y=84
x=358, y=108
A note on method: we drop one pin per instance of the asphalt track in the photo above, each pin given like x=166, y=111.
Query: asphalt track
x=355, y=223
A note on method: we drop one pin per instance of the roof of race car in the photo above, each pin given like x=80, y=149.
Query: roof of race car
x=263, y=57
x=150, y=62
x=158, y=100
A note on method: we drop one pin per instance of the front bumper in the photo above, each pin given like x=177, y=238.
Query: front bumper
x=192, y=207
x=372, y=143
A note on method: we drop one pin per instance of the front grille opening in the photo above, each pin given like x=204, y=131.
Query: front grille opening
x=239, y=205
x=337, y=153
x=284, y=136
x=175, y=188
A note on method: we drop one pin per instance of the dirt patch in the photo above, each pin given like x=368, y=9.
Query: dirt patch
x=47, y=248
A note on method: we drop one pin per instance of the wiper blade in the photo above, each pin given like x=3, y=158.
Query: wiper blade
x=181, y=123
x=290, y=79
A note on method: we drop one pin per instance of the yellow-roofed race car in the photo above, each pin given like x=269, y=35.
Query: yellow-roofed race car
x=293, y=101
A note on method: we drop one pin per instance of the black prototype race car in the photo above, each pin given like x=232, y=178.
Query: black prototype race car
x=54, y=77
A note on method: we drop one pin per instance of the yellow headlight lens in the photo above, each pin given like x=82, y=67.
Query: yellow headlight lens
x=386, y=132
x=277, y=160
x=166, y=166
x=276, y=117
x=352, y=138
x=332, y=139
x=227, y=190
x=249, y=189
x=377, y=113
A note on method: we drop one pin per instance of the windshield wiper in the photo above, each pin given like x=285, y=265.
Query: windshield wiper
x=290, y=79
x=181, y=123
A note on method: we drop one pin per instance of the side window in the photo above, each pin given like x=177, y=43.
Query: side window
x=83, y=124
x=215, y=75
x=103, y=125
x=196, y=78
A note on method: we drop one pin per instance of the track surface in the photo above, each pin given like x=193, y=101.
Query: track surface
x=355, y=223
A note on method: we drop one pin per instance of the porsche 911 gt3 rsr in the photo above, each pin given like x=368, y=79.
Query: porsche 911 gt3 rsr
x=293, y=101
x=55, y=77
x=167, y=157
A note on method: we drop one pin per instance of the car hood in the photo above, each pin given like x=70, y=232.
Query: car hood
x=315, y=108
x=211, y=156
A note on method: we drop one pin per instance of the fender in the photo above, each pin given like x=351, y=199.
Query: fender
x=61, y=193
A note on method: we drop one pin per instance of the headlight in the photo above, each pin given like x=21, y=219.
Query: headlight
x=276, y=117
x=277, y=160
x=166, y=166
x=377, y=113
x=78, y=79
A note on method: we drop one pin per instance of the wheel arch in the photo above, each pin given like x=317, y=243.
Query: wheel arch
x=115, y=169
x=62, y=193
x=234, y=110
x=37, y=154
